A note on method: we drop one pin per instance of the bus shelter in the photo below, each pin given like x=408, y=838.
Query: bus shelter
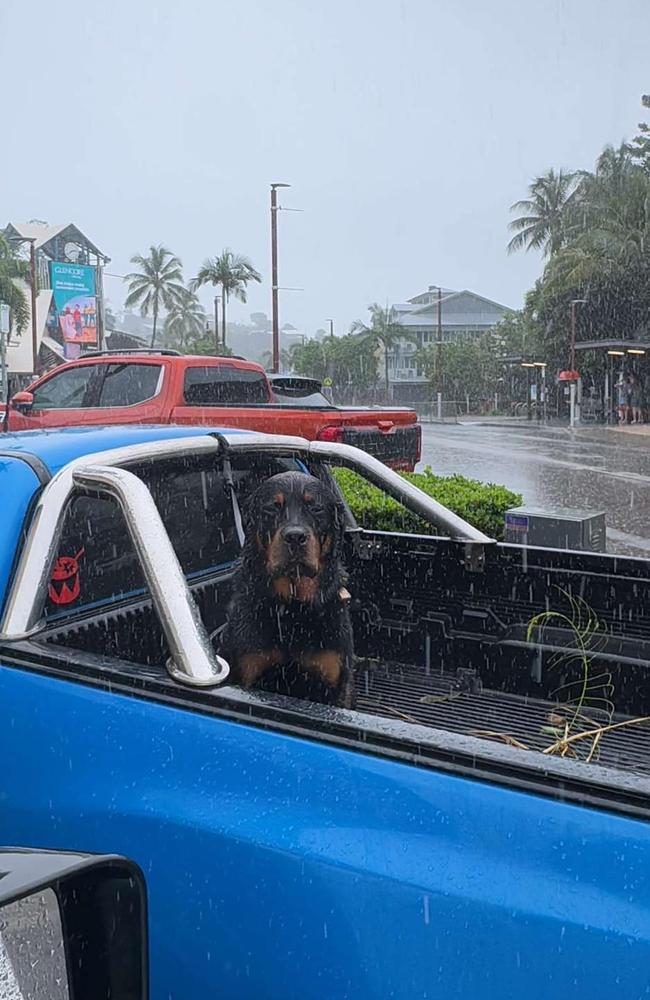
x=622, y=357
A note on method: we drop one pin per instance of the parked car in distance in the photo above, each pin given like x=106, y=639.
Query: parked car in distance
x=164, y=387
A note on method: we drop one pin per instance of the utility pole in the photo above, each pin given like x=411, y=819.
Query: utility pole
x=439, y=354
x=4, y=336
x=216, y=323
x=275, y=353
x=572, y=357
x=331, y=323
x=574, y=398
x=34, y=293
x=572, y=351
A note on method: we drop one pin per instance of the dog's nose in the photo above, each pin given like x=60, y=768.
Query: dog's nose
x=295, y=537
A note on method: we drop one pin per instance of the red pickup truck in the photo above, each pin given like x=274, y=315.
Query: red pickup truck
x=164, y=387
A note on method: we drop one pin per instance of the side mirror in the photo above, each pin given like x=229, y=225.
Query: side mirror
x=72, y=927
x=22, y=401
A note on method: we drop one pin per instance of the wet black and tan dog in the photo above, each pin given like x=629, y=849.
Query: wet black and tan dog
x=288, y=618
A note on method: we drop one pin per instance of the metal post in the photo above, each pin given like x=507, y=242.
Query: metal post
x=224, y=300
x=572, y=405
x=611, y=409
x=100, y=314
x=529, y=412
x=5, y=329
x=572, y=353
x=439, y=353
x=34, y=291
x=331, y=323
x=3, y=371
x=439, y=395
x=216, y=323
x=572, y=358
x=275, y=363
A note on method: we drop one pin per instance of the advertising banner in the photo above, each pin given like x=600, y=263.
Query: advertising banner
x=73, y=314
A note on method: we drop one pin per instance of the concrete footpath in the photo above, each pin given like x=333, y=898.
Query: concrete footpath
x=637, y=430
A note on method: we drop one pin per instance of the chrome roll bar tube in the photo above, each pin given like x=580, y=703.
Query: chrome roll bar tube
x=193, y=660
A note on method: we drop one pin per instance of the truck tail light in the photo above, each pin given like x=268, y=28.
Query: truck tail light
x=331, y=433
x=418, y=446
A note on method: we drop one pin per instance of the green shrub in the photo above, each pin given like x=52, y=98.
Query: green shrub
x=481, y=504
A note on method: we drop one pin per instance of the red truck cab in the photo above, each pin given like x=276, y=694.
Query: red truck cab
x=164, y=387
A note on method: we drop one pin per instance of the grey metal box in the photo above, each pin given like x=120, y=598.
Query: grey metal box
x=557, y=528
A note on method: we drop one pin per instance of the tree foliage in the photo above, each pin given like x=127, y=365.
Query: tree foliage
x=470, y=367
x=157, y=285
x=382, y=332
x=640, y=145
x=12, y=271
x=185, y=322
x=349, y=361
x=232, y=272
x=543, y=223
x=595, y=232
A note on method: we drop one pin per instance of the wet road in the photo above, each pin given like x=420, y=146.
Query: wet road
x=599, y=470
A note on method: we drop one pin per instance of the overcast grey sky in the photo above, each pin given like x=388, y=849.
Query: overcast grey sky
x=406, y=127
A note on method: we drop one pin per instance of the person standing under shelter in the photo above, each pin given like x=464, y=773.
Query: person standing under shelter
x=622, y=399
x=636, y=400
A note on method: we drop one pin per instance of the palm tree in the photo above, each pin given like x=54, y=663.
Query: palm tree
x=611, y=230
x=543, y=226
x=383, y=331
x=185, y=321
x=159, y=282
x=12, y=269
x=231, y=271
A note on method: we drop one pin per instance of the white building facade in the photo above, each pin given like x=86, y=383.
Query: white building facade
x=463, y=314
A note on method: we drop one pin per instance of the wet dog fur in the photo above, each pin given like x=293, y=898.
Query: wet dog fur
x=288, y=626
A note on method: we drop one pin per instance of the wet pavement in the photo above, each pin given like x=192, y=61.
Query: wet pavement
x=588, y=468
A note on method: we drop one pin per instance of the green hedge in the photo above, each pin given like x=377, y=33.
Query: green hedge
x=482, y=504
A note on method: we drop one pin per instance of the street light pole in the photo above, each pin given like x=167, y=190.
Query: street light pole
x=574, y=400
x=572, y=358
x=439, y=355
x=275, y=364
x=528, y=365
x=542, y=412
x=34, y=294
x=4, y=335
x=331, y=323
x=216, y=322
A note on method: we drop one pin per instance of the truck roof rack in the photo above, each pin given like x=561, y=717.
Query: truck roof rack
x=133, y=350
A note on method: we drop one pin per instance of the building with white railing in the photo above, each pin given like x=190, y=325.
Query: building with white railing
x=462, y=314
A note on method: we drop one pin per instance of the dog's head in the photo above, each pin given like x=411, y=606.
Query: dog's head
x=295, y=522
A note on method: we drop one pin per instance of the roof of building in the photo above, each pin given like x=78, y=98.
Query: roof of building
x=454, y=310
x=617, y=344
x=433, y=290
x=43, y=235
